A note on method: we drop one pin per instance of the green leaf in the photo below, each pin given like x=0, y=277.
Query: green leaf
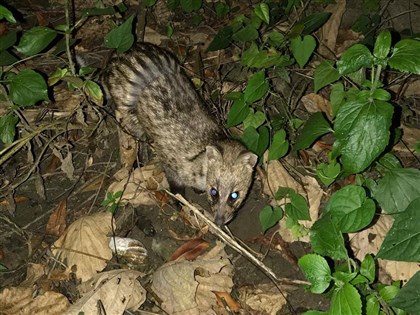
x=314, y=21
x=35, y=40
x=263, y=12
x=238, y=112
x=327, y=240
x=247, y=33
x=408, y=297
x=8, y=128
x=397, y=189
x=27, y=88
x=8, y=40
x=269, y=216
x=276, y=39
x=172, y=4
x=406, y=56
x=282, y=192
x=149, y=3
x=351, y=209
x=346, y=300
x=6, y=14
x=57, y=75
x=389, y=292
x=317, y=271
x=402, y=243
x=221, y=9
x=337, y=97
x=303, y=49
x=368, y=269
x=362, y=132
x=256, y=88
x=381, y=94
x=121, y=38
x=325, y=74
x=256, y=140
x=222, y=39
x=327, y=173
x=356, y=57
x=7, y=59
x=190, y=5
x=382, y=45
x=389, y=162
x=93, y=90
x=279, y=146
x=372, y=305
x=298, y=208
x=315, y=127
x=254, y=119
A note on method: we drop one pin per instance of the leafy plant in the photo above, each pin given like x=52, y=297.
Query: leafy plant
x=112, y=201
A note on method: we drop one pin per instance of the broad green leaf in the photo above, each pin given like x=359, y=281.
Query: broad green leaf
x=402, y=243
x=298, y=208
x=256, y=140
x=406, y=56
x=351, y=209
x=327, y=240
x=254, y=119
x=362, y=132
x=356, y=57
x=263, y=12
x=248, y=33
x=8, y=128
x=397, y=189
x=190, y=5
x=314, y=21
x=27, y=88
x=382, y=45
x=389, y=292
x=389, y=162
x=315, y=127
x=327, y=173
x=337, y=97
x=276, y=39
x=283, y=192
x=269, y=216
x=35, y=40
x=172, y=4
x=7, y=59
x=408, y=297
x=372, y=305
x=93, y=90
x=368, y=268
x=222, y=39
x=317, y=271
x=254, y=21
x=149, y=3
x=325, y=74
x=346, y=300
x=256, y=88
x=8, y=40
x=221, y=9
x=279, y=146
x=238, y=112
x=57, y=75
x=121, y=38
x=381, y=94
x=252, y=57
x=6, y=14
x=303, y=48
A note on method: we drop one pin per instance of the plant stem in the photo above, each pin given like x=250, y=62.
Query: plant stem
x=68, y=36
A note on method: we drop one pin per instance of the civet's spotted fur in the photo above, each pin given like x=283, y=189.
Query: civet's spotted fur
x=155, y=96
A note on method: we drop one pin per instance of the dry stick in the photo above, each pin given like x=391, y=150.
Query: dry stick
x=236, y=246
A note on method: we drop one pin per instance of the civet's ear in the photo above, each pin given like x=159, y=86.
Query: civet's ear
x=248, y=159
x=213, y=153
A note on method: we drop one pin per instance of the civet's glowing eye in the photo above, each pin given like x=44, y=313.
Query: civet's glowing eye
x=213, y=192
x=234, y=195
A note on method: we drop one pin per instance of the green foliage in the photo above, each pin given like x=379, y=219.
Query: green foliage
x=8, y=128
x=35, y=40
x=317, y=271
x=6, y=14
x=27, y=88
x=408, y=297
x=121, y=38
x=112, y=201
x=269, y=216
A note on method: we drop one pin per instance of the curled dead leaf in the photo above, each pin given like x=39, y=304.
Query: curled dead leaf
x=190, y=250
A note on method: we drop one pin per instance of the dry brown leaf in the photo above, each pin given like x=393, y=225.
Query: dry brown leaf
x=315, y=103
x=57, y=220
x=67, y=165
x=329, y=31
x=263, y=298
x=52, y=166
x=370, y=240
x=17, y=199
x=20, y=301
x=226, y=298
x=190, y=250
x=411, y=89
x=93, y=184
x=200, y=278
x=117, y=290
x=410, y=136
x=85, y=245
x=136, y=188
x=33, y=273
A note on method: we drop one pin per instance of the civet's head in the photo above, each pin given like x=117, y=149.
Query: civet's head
x=229, y=175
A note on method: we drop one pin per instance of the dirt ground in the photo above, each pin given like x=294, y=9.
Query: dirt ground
x=24, y=216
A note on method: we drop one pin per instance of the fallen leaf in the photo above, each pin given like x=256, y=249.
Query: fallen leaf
x=225, y=298
x=315, y=103
x=117, y=290
x=329, y=31
x=200, y=278
x=264, y=298
x=57, y=220
x=20, y=300
x=190, y=250
x=85, y=245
